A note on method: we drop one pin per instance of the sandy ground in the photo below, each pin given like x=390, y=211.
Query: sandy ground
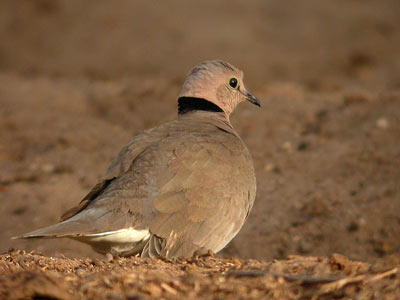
x=78, y=79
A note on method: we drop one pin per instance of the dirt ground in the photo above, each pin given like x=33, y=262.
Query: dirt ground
x=35, y=276
x=78, y=79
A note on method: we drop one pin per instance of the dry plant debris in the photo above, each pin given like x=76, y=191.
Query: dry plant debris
x=32, y=276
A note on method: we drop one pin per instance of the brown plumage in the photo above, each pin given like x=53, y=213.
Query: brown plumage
x=181, y=188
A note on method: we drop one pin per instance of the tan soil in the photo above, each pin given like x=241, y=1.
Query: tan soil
x=78, y=79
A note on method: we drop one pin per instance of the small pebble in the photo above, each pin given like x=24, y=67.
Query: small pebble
x=287, y=146
x=109, y=257
x=382, y=123
x=269, y=167
x=48, y=168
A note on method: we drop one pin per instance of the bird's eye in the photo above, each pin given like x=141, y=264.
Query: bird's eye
x=233, y=82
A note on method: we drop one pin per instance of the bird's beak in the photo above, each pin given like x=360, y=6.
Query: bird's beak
x=249, y=97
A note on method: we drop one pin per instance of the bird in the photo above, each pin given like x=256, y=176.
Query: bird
x=181, y=189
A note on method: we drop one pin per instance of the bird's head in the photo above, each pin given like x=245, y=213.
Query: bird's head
x=219, y=83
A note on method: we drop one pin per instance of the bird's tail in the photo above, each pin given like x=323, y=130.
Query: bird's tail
x=62, y=229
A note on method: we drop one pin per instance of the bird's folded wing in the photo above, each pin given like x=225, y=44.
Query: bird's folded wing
x=201, y=195
x=119, y=166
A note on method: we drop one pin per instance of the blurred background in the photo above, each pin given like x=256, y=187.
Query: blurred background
x=78, y=79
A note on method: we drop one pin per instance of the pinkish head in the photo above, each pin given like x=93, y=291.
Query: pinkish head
x=218, y=82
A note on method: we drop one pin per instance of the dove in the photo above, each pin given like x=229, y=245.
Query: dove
x=180, y=189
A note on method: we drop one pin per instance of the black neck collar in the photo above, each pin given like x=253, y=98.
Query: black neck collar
x=187, y=104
